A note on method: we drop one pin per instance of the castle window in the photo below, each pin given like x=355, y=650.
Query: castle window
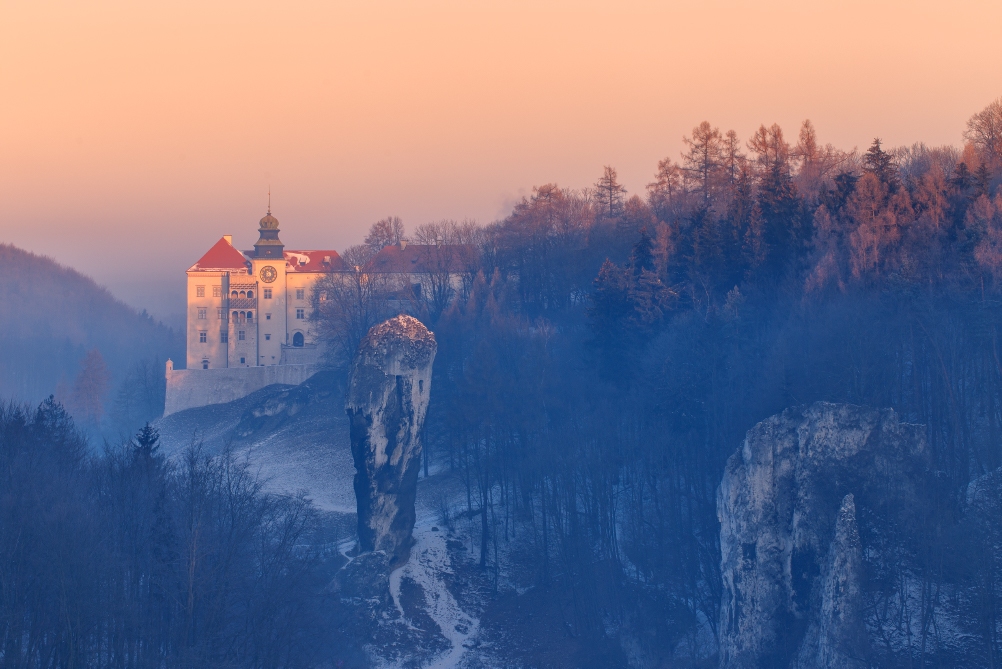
x=323, y=296
x=243, y=360
x=205, y=364
x=250, y=294
x=199, y=291
x=250, y=316
x=300, y=314
x=203, y=337
x=221, y=314
x=267, y=293
x=201, y=314
x=300, y=293
x=240, y=335
x=234, y=294
x=217, y=291
x=297, y=339
x=243, y=293
x=235, y=317
x=224, y=337
x=267, y=317
x=267, y=337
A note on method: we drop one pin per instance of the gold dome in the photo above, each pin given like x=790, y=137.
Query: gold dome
x=269, y=222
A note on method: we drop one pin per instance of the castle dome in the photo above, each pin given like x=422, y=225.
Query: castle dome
x=269, y=222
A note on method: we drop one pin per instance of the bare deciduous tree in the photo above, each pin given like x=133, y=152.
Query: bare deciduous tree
x=346, y=304
x=385, y=232
x=984, y=131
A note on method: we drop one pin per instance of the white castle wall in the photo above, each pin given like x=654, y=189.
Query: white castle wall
x=189, y=388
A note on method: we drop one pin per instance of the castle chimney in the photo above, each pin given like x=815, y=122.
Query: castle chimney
x=229, y=239
x=403, y=244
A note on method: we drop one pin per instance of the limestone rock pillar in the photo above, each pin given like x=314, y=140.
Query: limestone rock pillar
x=387, y=401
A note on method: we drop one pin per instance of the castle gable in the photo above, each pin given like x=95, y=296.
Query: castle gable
x=221, y=257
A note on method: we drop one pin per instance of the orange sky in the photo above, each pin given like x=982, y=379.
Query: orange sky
x=133, y=135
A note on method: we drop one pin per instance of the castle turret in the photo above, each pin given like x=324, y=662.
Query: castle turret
x=268, y=244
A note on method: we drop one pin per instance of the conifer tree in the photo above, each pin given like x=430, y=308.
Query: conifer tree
x=878, y=162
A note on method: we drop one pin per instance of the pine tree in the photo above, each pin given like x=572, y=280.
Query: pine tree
x=147, y=442
x=878, y=162
x=642, y=257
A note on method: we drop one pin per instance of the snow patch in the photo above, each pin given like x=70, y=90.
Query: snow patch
x=429, y=561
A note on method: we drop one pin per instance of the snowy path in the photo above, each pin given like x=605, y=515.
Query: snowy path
x=429, y=560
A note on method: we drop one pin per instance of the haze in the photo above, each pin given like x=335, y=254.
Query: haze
x=134, y=135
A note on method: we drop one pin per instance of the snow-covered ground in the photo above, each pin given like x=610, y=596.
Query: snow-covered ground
x=428, y=564
x=310, y=451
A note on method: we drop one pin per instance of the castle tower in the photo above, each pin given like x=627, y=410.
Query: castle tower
x=268, y=266
x=268, y=244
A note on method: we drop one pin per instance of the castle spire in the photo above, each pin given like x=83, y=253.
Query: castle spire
x=268, y=244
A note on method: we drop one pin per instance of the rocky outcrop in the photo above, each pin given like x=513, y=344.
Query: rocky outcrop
x=791, y=556
x=387, y=401
x=836, y=636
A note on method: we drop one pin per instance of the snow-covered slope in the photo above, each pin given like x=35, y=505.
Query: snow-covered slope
x=296, y=439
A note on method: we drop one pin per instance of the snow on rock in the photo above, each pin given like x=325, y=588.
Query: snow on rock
x=387, y=401
x=790, y=555
x=428, y=564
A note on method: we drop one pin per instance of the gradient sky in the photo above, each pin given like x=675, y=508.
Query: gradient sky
x=133, y=135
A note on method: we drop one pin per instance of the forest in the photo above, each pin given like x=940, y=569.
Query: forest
x=601, y=355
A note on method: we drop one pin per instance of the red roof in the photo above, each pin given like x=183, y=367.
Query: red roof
x=422, y=259
x=222, y=256
x=313, y=261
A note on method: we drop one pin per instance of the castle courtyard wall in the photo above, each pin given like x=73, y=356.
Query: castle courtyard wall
x=190, y=388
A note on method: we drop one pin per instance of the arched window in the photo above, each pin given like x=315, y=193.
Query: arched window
x=205, y=364
x=297, y=339
x=236, y=317
x=250, y=316
x=234, y=294
x=250, y=293
x=243, y=293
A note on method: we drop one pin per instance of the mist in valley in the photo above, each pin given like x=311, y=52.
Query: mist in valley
x=612, y=370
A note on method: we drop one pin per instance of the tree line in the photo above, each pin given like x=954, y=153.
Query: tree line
x=606, y=352
x=128, y=559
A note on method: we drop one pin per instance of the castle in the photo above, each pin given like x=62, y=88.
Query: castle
x=248, y=320
x=249, y=312
x=250, y=309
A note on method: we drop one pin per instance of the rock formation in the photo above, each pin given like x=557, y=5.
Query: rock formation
x=387, y=401
x=790, y=548
x=836, y=637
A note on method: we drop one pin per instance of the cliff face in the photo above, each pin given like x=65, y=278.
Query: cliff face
x=790, y=546
x=387, y=401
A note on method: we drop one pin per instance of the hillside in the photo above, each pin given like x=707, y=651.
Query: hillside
x=51, y=316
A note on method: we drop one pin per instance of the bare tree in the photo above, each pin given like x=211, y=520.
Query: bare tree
x=771, y=150
x=665, y=192
x=701, y=161
x=609, y=193
x=984, y=131
x=90, y=388
x=385, y=232
x=346, y=304
x=448, y=262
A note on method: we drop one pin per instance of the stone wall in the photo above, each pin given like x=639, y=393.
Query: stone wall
x=190, y=388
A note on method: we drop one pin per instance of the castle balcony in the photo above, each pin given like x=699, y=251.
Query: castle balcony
x=242, y=296
x=241, y=303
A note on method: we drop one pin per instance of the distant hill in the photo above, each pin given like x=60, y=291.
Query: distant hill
x=52, y=316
